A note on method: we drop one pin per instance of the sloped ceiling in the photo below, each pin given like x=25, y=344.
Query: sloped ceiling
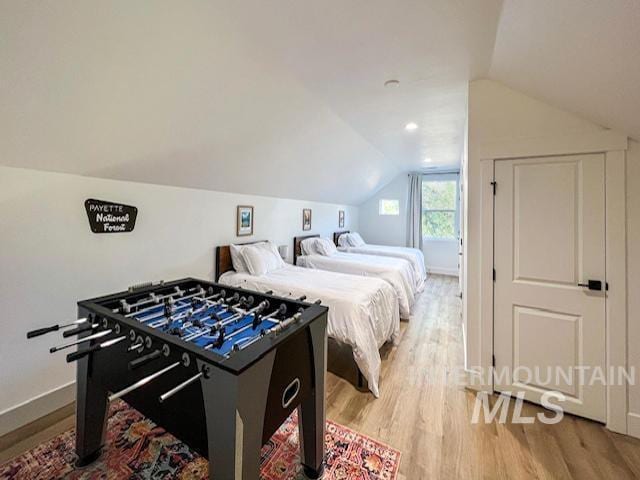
x=286, y=98
x=283, y=99
x=582, y=56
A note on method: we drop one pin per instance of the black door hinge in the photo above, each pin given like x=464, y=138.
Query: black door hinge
x=493, y=360
x=494, y=184
x=494, y=274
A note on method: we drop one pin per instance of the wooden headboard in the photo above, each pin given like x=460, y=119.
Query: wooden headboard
x=297, y=246
x=336, y=236
x=223, y=258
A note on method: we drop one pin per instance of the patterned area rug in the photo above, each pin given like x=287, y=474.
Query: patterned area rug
x=138, y=449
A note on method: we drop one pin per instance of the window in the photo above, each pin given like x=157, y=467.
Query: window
x=389, y=207
x=440, y=207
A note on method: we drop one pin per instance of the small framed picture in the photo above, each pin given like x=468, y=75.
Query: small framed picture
x=244, y=221
x=306, y=219
x=340, y=218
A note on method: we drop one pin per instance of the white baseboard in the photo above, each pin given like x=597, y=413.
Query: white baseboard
x=476, y=382
x=633, y=424
x=37, y=407
x=452, y=272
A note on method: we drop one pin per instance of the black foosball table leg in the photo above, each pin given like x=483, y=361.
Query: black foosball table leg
x=311, y=412
x=91, y=415
x=234, y=422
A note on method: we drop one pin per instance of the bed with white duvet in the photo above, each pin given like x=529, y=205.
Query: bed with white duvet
x=321, y=254
x=353, y=243
x=363, y=312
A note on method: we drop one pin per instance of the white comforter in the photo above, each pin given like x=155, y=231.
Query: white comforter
x=363, y=312
x=396, y=271
x=412, y=255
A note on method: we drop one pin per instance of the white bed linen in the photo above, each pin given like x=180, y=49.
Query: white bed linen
x=412, y=255
x=396, y=271
x=363, y=312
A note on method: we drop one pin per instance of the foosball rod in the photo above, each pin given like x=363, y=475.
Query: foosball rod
x=171, y=318
x=240, y=330
x=79, y=330
x=177, y=315
x=142, y=382
x=159, y=319
x=238, y=316
x=301, y=298
x=95, y=348
x=153, y=298
x=53, y=328
x=194, y=297
x=284, y=324
x=282, y=309
x=78, y=342
x=143, y=310
x=276, y=329
x=210, y=297
x=167, y=395
x=135, y=346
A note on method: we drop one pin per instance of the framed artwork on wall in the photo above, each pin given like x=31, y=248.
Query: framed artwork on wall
x=244, y=221
x=340, y=218
x=306, y=219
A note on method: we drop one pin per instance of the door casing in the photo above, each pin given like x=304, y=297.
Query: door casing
x=614, y=146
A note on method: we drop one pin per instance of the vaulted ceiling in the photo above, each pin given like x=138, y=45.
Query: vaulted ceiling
x=582, y=56
x=287, y=98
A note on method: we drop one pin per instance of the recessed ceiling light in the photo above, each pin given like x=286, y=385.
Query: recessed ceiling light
x=428, y=160
x=392, y=83
x=411, y=126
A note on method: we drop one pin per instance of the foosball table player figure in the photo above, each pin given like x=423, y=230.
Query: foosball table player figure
x=220, y=368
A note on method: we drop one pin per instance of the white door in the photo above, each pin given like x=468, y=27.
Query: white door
x=549, y=238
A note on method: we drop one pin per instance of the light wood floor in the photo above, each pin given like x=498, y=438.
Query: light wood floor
x=430, y=423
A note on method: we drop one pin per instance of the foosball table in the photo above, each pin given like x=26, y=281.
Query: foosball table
x=220, y=368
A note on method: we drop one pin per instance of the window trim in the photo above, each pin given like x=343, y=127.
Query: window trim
x=444, y=177
x=381, y=213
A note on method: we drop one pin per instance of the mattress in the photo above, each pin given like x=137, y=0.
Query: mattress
x=395, y=271
x=412, y=255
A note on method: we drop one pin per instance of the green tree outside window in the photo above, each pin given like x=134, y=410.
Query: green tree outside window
x=439, y=206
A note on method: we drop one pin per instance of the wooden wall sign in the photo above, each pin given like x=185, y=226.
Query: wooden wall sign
x=108, y=217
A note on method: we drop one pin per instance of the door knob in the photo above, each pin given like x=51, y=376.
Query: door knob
x=592, y=285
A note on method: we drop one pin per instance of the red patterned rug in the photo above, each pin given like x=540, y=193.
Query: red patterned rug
x=138, y=449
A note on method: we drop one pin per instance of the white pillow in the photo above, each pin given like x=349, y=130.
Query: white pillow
x=356, y=240
x=343, y=240
x=261, y=258
x=308, y=246
x=236, y=258
x=325, y=247
x=271, y=247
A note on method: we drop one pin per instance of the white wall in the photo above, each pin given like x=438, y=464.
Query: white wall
x=501, y=116
x=498, y=114
x=49, y=260
x=440, y=256
x=386, y=229
x=633, y=273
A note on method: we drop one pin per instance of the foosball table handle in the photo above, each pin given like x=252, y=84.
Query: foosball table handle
x=73, y=356
x=55, y=328
x=139, y=362
x=42, y=331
